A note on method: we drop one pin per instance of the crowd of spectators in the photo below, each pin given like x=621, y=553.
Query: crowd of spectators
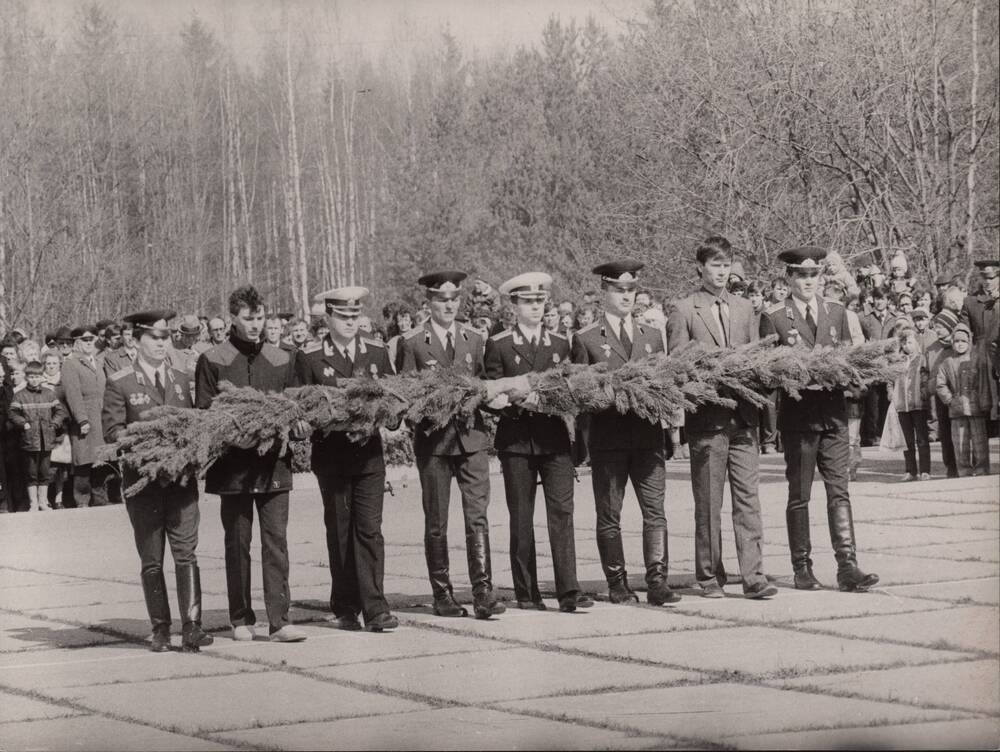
x=52, y=385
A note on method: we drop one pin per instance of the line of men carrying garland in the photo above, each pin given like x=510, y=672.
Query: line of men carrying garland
x=533, y=449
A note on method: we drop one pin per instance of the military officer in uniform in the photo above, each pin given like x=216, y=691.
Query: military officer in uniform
x=624, y=447
x=814, y=429
x=351, y=475
x=533, y=445
x=455, y=451
x=160, y=512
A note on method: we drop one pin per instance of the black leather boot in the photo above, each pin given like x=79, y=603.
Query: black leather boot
x=193, y=637
x=613, y=563
x=800, y=547
x=154, y=588
x=436, y=551
x=654, y=552
x=484, y=600
x=849, y=577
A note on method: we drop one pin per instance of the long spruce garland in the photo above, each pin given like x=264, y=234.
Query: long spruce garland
x=175, y=444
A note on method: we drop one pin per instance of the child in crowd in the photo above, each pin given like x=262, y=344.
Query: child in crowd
x=934, y=355
x=921, y=319
x=962, y=387
x=39, y=415
x=909, y=398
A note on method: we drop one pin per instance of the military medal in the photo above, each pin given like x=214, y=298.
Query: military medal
x=328, y=371
x=374, y=369
x=793, y=336
x=649, y=349
x=607, y=350
x=517, y=359
x=833, y=333
x=468, y=358
x=555, y=358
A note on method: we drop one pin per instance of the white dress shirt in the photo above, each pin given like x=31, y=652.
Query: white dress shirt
x=442, y=334
x=617, y=323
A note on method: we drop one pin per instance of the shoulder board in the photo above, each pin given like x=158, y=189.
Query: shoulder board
x=588, y=327
x=466, y=329
x=178, y=374
x=501, y=335
x=413, y=332
x=373, y=342
x=122, y=373
x=557, y=335
x=312, y=347
x=775, y=308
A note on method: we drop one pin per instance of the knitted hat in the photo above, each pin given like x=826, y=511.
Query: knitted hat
x=947, y=318
x=962, y=329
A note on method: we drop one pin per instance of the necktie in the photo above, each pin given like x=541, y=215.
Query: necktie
x=159, y=386
x=449, y=348
x=626, y=340
x=347, y=357
x=724, y=321
x=810, y=321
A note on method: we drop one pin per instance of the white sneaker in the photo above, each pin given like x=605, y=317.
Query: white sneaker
x=288, y=633
x=243, y=633
x=925, y=476
x=908, y=477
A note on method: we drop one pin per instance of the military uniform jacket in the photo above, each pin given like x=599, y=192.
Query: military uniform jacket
x=419, y=350
x=876, y=328
x=323, y=363
x=116, y=360
x=694, y=320
x=83, y=388
x=128, y=394
x=523, y=431
x=817, y=410
x=263, y=367
x=599, y=343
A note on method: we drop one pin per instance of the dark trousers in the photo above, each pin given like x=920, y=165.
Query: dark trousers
x=972, y=445
x=160, y=515
x=715, y=455
x=521, y=473
x=610, y=471
x=352, y=514
x=804, y=452
x=237, y=522
x=876, y=406
x=915, y=433
x=472, y=471
x=944, y=436
x=89, y=486
x=16, y=471
x=769, y=422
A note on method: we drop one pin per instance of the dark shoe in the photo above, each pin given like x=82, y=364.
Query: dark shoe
x=383, y=622
x=619, y=592
x=193, y=637
x=760, y=590
x=160, y=641
x=850, y=579
x=660, y=594
x=584, y=601
x=189, y=599
x=531, y=606
x=446, y=605
x=485, y=604
x=713, y=590
x=805, y=579
x=347, y=622
x=567, y=604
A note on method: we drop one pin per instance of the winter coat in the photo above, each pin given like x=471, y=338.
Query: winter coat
x=909, y=392
x=83, y=385
x=38, y=416
x=963, y=385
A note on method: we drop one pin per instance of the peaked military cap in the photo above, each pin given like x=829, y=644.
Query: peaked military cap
x=189, y=324
x=443, y=283
x=942, y=279
x=285, y=315
x=153, y=322
x=990, y=267
x=343, y=301
x=64, y=334
x=624, y=272
x=103, y=324
x=807, y=257
x=83, y=331
x=528, y=286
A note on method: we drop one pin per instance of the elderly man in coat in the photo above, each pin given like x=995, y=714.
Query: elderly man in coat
x=83, y=382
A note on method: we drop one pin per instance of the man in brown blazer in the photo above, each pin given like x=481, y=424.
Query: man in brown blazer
x=722, y=441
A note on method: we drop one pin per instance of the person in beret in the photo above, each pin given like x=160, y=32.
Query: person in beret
x=160, y=513
x=624, y=447
x=814, y=429
x=457, y=451
x=532, y=446
x=245, y=479
x=83, y=389
x=722, y=441
x=351, y=474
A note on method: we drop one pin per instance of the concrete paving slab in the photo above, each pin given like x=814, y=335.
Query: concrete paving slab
x=552, y=625
x=135, y=665
x=970, y=628
x=81, y=593
x=206, y=704
x=985, y=591
x=19, y=708
x=713, y=712
x=131, y=618
x=504, y=674
x=900, y=534
x=899, y=569
x=448, y=728
x=758, y=651
x=979, y=521
x=25, y=633
x=13, y=578
x=962, y=734
x=881, y=508
x=97, y=734
x=968, y=685
x=984, y=550
x=791, y=605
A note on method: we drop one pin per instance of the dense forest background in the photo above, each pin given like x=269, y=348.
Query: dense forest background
x=140, y=169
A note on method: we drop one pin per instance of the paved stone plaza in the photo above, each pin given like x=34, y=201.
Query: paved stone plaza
x=913, y=664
